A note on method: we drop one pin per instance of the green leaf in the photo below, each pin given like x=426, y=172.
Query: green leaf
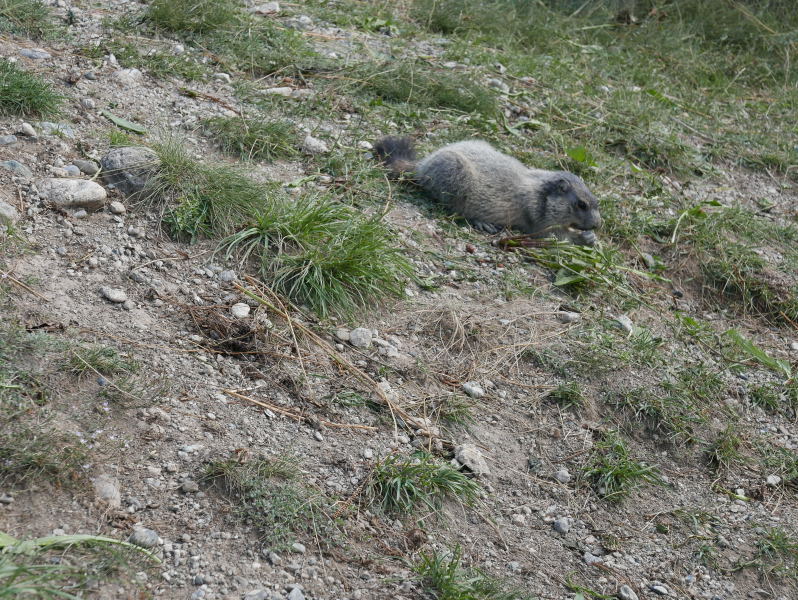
x=756, y=353
x=582, y=155
x=123, y=123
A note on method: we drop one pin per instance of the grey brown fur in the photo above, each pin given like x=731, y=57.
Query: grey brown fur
x=494, y=191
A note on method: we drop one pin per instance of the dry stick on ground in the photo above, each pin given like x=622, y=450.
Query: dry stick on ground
x=111, y=383
x=15, y=281
x=339, y=359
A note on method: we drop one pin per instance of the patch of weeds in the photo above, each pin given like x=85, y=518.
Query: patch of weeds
x=91, y=360
x=400, y=484
x=445, y=578
x=724, y=451
x=134, y=392
x=567, y=395
x=268, y=497
x=31, y=18
x=783, y=463
x=777, y=552
x=156, y=62
x=243, y=41
x=454, y=410
x=30, y=452
x=24, y=95
x=321, y=253
x=119, y=139
x=254, y=139
x=414, y=83
x=613, y=473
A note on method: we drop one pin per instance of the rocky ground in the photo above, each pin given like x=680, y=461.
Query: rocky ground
x=89, y=267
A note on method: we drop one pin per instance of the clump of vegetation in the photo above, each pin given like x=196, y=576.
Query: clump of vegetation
x=24, y=95
x=157, y=62
x=613, y=473
x=103, y=360
x=400, y=485
x=724, y=451
x=35, y=451
x=567, y=395
x=254, y=139
x=267, y=494
x=413, y=82
x=777, y=552
x=444, y=577
x=194, y=16
x=30, y=18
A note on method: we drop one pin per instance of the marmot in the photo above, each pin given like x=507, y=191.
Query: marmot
x=494, y=191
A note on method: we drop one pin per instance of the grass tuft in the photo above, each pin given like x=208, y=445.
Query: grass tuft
x=104, y=360
x=31, y=18
x=400, y=484
x=254, y=139
x=613, y=473
x=24, y=95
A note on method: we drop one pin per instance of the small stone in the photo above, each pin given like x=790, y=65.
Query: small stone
x=568, y=317
x=72, y=193
x=72, y=171
x=342, y=333
x=365, y=145
x=113, y=294
x=625, y=323
x=28, y=130
x=298, y=548
x=88, y=103
x=498, y=84
x=190, y=486
x=470, y=457
x=473, y=389
x=773, y=480
x=34, y=53
x=80, y=214
x=240, y=310
x=563, y=476
x=794, y=346
x=658, y=589
x=279, y=91
x=313, y=145
x=128, y=77
x=8, y=214
x=626, y=593
x=562, y=526
x=6, y=499
x=360, y=337
x=296, y=594
x=268, y=8
x=592, y=559
x=225, y=77
x=146, y=538
x=368, y=453
x=128, y=304
x=17, y=168
x=7, y=140
x=117, y=208
x=227, y=276
x=89, y=167
x=106, y=488
x=59, y=129
x=178, y=49
x=129, y=168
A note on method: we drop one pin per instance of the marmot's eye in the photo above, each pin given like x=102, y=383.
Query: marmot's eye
x=582, y=205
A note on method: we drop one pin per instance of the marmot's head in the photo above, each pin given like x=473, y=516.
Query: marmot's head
x=577, y=206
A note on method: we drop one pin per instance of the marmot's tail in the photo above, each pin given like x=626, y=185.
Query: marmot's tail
x=397, y=153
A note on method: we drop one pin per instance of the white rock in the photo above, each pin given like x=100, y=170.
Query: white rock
x=469, y=456
x=106, y=488
x=225, y=77
x=473, y=389
x=128, y=76
x=773, y=480
x=117, y=208
x=27, y=129
x=279, y=91
x=240, y=310
x=268, y=8
x=72, y=193
x=563, y=476
x=360, y=337
x=8, y=214
x=313, y=145
x=498, y=84
x=625, y=323
x=364, y=145
x=568, y=317
x=113, y=294
x=342, y=333
x=794, y=346
x=626, y=593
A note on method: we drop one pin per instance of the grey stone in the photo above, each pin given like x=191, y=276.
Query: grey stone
x=28, y=130
x=313, y=145
x=360, y=337
x=61, y=129
x=114, y=295
x=279, y=91
x=563, y=476
x=117, y=208
x=128, y=76
x=106, y=488
x=80, y=213
x=6, y=499
x=298, y=548
x=7, y=140
x=34, y=53
x=473, y=389
x=225, y=77
x=88, y=103
x=8, y=214
x=562, y=525
x=659, y=589
x=227, y=276
x=470, y=457
x=296, y=594
x=129, y=168
x=773, y=480
x=568, y=317
x=342, y=334
x=498, y=84
x=72, y=193
x=72, y=170
x=17, y=168
x=268, y=8
x=190, y=486
x=625, y=323
x=240, y=310
x=626, y=593
x=146, y=538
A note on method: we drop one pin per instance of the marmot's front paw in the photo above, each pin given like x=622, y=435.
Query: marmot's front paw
x=486, y=227
x=585, y=238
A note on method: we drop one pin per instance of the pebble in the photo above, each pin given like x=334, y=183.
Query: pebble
x=35, y=53
x=117, y=208
x=592, y=559
x=17, y=168
x=128, y=168
x=562, y=525
x=225, y=77
x=8, y=214
x=80, y=214
x=129, y=77
x=473, y=389
x=660, y=590
x=625, y=323
x=563, y=476
x=470, y=457
x=342, y=334
x=313, y=145
x=626, y=593
x=269, y=8
x=360, y=337
x=240, y=310
x=88, y=103
x=568, y=317
x=773, y=480
x=72, y=171
x=189, y=486
x=7, y=140
x=227, y=276
x=279, y=91
x=72, y=193
x=365, y=145
x=146, y=538
x=498, y=84
x=28, y=130
x=296, y=594
x=113, y=294
x=298, y=548
x=89, y=167
x=106, y=488
x=794, y=346
x=6, y=499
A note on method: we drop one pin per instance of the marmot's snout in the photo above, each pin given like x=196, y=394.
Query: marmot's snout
x=571, y=191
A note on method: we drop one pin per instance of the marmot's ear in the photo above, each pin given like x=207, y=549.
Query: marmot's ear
x=564, y=185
